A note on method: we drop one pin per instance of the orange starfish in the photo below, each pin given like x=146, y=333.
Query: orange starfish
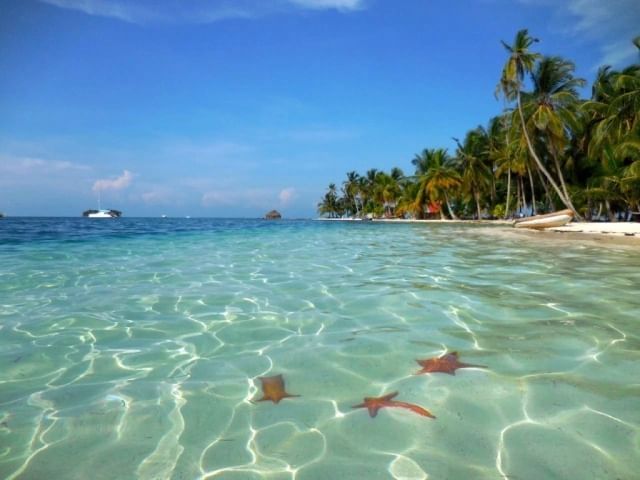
x=447, y=363
x=373, y=404
x=273, y=389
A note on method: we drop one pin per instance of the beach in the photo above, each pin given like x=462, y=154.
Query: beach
x=581, y=229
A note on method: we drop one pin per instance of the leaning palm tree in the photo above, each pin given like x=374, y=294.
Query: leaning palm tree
x=520, y=62
x=552, y=108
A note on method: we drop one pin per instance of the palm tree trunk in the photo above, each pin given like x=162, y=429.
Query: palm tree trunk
x=453, y=215
x=506, y=210
x=612, y=217
x=533, y=192
x=518, y=204
x=546, y=190
x=476, y=193
x=561, y=177
x=565, y=200
x=523, y=192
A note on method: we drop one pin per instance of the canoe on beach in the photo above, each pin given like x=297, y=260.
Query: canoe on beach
x=553, y=219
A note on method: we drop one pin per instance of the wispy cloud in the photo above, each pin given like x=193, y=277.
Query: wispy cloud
x=613, y=23
x=19, y=165
x=344, y=5
x=196, y=11
x=118, y=183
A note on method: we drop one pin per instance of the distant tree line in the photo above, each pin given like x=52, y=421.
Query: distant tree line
x=548, y=149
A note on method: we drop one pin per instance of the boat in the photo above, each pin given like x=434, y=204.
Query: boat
x=548, y=220
x=102, y=213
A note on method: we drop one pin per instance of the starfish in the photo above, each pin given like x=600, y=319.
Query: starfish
x=373, y=404
x=447, y=363
x=273, y=389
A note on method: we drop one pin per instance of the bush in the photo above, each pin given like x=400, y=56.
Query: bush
x=499, y=211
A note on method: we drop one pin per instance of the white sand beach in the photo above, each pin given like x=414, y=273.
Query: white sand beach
x=629, y=229
x=608, y=229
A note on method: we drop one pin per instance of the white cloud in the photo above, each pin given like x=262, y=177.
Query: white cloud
x=123, y=181
x=287, y=195
x=613, y=23
x=196, y=11
x=24, y=165
x=324, y=4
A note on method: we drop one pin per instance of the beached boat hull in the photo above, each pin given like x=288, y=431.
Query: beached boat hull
x=555, y=219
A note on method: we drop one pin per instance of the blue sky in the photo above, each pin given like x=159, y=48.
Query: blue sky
x=232, y=108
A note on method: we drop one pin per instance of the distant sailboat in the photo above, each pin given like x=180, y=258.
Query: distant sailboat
x=100, y=213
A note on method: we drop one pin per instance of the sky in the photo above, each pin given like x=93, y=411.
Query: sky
x=231, y=108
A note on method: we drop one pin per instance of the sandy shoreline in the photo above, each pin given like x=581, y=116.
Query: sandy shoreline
x=591, y=229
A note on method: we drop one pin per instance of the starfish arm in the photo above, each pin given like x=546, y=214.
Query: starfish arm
x=373, y=410
x=414, y=408
x=360, y=405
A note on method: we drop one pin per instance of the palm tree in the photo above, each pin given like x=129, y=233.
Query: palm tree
x=386, y=190
x=552, y=106
x=421, y=162
x=330, y=203
x=407, y=200
x=439, y=180
x=520, y=62
x=501, y=149
x=614, y=133
x=472, y=156
x=351, y=188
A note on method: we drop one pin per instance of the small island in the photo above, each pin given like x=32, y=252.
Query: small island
x=273, y=215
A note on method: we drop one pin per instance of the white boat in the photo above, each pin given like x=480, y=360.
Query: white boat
x=554, y=219
x=101, y=213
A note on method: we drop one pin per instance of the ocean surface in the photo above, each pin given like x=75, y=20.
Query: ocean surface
x=133, y=348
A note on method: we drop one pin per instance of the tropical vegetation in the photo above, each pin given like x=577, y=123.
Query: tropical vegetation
x=549, y=149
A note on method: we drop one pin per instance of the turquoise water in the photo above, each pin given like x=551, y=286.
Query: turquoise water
x=132, y=349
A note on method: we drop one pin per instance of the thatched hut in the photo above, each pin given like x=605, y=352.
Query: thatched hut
x=273, y=215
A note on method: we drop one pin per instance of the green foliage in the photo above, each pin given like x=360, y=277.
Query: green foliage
x=499, y=210
x=550, y=148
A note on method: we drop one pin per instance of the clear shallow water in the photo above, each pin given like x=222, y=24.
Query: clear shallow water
x=131, y=348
